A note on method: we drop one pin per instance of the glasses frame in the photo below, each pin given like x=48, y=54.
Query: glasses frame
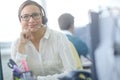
x=35, y=16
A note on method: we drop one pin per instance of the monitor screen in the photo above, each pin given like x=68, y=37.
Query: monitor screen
x=1, y=72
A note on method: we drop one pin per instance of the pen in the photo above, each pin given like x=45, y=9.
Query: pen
x=25, y=65
x=16, y=69
x=27, y=75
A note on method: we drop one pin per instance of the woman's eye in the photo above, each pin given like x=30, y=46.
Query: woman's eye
x=26, y=16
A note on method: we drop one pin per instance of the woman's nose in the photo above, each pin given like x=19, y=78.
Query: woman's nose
x=31, y=19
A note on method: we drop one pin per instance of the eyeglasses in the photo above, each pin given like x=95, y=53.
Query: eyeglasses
x=26, y=17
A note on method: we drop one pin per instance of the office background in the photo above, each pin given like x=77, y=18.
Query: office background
x=10, y=26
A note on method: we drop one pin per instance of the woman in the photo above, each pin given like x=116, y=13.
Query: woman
x=47, y=52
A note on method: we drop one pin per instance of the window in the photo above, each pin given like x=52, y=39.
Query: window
x=78, y=8
x=9, y=23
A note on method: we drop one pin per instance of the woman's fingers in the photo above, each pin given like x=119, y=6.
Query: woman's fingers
x=26, y=34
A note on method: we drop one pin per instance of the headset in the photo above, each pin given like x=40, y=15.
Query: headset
x=44, y=18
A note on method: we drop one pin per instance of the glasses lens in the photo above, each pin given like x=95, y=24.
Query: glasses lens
x=35, y=16
x=25, y=17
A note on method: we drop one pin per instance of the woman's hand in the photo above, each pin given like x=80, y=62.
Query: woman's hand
x=25, y=36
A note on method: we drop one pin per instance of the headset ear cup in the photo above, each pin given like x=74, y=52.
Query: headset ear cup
x=44, y=20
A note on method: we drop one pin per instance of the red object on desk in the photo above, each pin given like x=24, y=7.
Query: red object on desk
x=25, y=66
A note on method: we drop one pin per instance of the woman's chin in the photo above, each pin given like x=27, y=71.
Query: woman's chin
x=33, y=30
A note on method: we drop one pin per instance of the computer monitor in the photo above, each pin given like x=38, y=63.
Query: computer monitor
x=95, y=37
x=1, y=71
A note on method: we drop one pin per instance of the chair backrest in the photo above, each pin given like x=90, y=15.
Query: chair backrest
x=76, y=57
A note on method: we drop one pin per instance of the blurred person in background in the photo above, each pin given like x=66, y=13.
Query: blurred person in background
x=107, y=55
x=66, y=24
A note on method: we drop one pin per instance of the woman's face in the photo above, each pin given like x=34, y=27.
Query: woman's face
x=31, y=18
